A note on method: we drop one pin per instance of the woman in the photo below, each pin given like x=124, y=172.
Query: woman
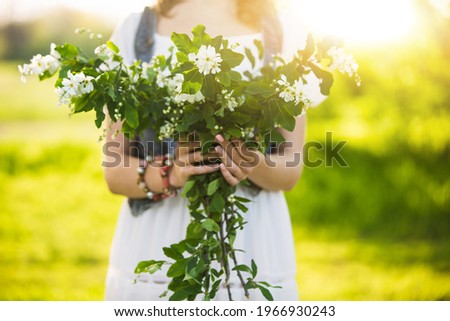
x=143, y=231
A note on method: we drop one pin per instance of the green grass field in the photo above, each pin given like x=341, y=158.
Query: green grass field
x=377, y=230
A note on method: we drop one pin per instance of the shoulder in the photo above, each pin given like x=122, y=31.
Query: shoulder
x=124, y=35
x=126, y=26
x=295, y=33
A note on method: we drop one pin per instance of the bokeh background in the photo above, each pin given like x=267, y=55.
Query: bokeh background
x=378, y=229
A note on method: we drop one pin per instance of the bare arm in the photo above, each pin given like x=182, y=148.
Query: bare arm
x=120, y=167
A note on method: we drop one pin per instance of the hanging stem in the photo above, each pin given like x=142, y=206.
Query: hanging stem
x=233, y=257
x=224, y=261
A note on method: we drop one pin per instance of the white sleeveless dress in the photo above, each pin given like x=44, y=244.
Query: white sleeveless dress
x=266, y=238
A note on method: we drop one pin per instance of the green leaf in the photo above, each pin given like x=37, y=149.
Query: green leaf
x=210, y=225
x=111, y=45
x=177, y=269
x=215, y=286
x=241, y=207
x=187, y=187
x=183, y=43
x=183, y=292
x=217, y=42
x=265, y=292
x=131, y=116
x=276, y=137
x=68, y=51
x=326, y=78
x=233, y=131
x=112, y=92
x=235, y=76
x=192, y=81
x=224, y=78
x=200, y=37
x=191, y=269
x=217, y=204
x=182, y=57
x=213, y=186
x=190, y=118
x=231, y=58
x=46, y=75
x=267, y=285
x=254, y=269
x=290, y=71
x=242, y=199
x=100, y=117
x=250, y=56
x=210, y=87
x=259, y=88
x=283, y=117
x=242, y=268
x=195, y=230
x=260, y=46
x=309, y=48
x=208, y=115
x=170, y=252
x=150, y=266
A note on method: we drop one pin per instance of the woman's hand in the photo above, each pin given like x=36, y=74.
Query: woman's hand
x=188, y=158
x=238, y=161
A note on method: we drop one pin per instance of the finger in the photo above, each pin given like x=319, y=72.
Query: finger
x=228, y=176
x=183, y=150
x=190, y=141
x=230, y=149
x=199, y=170
x=197, y=157
x=230, y=164
x=250, y=157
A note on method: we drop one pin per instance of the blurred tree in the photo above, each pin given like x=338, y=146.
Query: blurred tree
x=24, y=39
x=16, y=37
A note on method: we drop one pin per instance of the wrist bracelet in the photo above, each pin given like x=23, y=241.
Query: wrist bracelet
x=166, y=163
x=142, y=168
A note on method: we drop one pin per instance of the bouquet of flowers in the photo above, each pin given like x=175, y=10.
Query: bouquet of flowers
x=195, y=89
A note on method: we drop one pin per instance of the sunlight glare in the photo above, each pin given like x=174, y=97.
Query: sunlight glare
x=357, y=21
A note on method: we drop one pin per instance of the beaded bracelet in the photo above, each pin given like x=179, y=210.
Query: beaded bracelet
x=166, y=164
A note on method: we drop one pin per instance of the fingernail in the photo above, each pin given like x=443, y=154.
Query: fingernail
x=219, y=150
x=219, y=138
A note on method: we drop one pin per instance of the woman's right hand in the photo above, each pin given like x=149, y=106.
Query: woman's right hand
x=188, y=162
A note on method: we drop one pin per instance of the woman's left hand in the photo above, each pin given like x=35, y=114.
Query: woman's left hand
x=238, y=161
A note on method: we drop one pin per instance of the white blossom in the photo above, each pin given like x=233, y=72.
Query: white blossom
x=175, y=84
x=134, y=76
x=294, y=92
x=228, y=101
x=248, y=133
x=190, y=98
x=162, y=76
x=75, y=85
x=342, y=61
x=207, y=60
x=145, y=67
x=40, y=64
x=166, y=131
x=231, y=198
x=53, y=51
x=107, y=55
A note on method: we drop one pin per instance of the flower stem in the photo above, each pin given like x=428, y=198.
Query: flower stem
x=233, y=257
x=224, y=261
